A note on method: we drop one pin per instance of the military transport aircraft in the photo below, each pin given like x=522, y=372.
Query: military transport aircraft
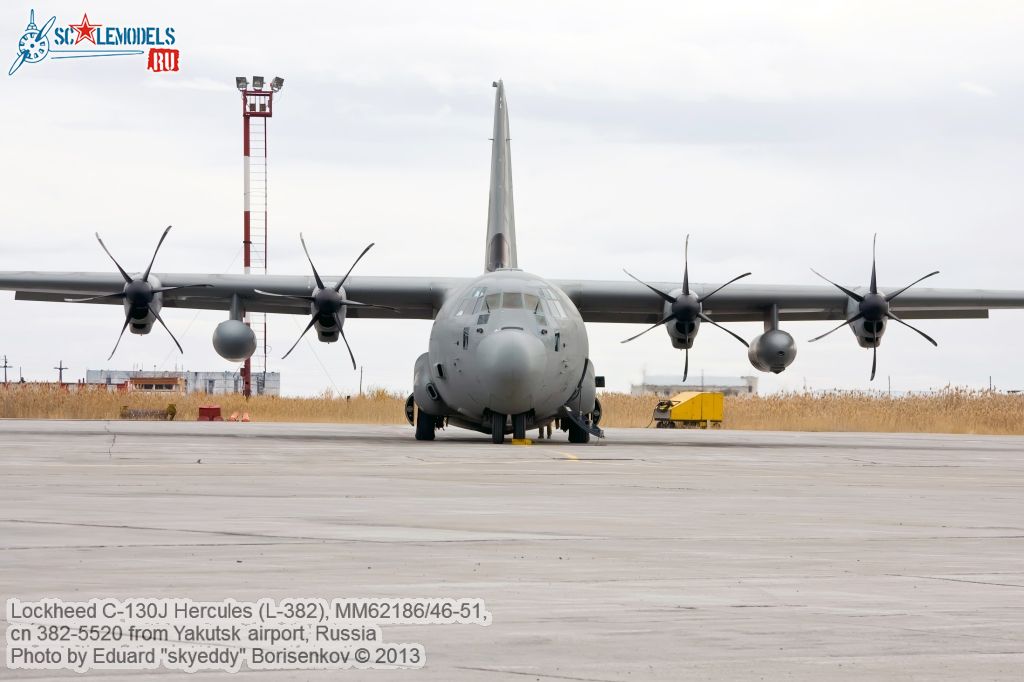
x=508, y=349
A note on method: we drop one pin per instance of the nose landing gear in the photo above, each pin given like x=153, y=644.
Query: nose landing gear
x=498, y=428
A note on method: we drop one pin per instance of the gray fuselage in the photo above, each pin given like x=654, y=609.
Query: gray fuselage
x=509, y=342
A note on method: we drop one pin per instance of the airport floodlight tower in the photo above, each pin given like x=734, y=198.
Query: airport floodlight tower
x=257, y=107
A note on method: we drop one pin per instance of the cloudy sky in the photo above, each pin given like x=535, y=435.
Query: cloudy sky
x=780, y=135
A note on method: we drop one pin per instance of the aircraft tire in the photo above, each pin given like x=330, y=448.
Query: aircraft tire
x=578, y=435
x=497, y=428
x=426, y=424
x=519, y=426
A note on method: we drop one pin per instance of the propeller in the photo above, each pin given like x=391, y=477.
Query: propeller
x=687, y=307
x=138, y=293
x=23, y=55
x=328, y=302
x=873, y=306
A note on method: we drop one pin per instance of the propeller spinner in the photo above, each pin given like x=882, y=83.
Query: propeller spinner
x=687, y=307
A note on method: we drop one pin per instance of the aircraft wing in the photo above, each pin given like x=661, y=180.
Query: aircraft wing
x=415, y=297
x=597, y=300
x=630, y=302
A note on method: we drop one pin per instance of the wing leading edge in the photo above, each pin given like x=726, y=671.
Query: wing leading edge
x=415, y=297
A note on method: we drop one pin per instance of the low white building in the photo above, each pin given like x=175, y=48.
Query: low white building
x=214, y=383
x=667, y=385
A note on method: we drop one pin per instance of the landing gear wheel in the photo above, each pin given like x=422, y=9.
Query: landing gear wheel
x=578, y=435
x=425, y=425
x=497, y=428
x=519, y=426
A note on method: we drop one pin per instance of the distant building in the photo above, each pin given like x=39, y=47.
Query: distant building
x=666, y=385
x=214, y=383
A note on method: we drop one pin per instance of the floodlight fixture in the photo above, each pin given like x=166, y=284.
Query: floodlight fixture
x=277, y=83
x=257, y=82
x=241, y=82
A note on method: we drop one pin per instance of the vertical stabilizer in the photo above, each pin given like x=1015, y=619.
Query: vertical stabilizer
x=501, y=220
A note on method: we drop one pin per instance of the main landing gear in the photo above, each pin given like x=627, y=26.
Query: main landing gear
x=578, y=435
x=426, y=425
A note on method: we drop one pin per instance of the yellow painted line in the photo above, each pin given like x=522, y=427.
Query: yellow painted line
x=568, y=455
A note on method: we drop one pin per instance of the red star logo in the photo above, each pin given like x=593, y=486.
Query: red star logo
x=85, y=30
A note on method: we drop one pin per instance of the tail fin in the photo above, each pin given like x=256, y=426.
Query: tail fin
x=501, y=220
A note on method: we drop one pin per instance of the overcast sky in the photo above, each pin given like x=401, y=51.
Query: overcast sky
x=780, y=135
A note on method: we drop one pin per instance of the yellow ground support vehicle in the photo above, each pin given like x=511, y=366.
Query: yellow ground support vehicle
x=690, y=410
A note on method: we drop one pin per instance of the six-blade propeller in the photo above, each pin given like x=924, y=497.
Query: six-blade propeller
x=138, y=293
x=327, y=303
x=687, y=307
x=873, y=307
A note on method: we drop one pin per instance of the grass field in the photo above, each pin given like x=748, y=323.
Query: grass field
x=948, y=411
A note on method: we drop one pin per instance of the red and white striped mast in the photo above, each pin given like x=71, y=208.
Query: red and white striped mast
x=257, y=107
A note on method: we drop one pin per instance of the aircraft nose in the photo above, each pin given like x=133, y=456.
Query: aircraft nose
x=511, y=365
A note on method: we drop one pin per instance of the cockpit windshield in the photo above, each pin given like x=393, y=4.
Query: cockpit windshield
x=512, y=299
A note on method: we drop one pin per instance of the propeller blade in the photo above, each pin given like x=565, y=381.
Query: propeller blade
x=312, y=321
x=95, y=298
x=145, y=276
x=686, y=267
x=667, y=319
x=341, y=332
x=905, y=324
x=357, y=304
x=707, y=296
x=45, y=29
x=124, y=274
x=686, y=367
x=316, y=275
x=18, y=61
x=665, y=297
x=127, y=319
x=897, y=293
x=732, y=334
x=359, y=258
x=873, y=288
x=849, y=321
x=166, y=328
x=854, y=296
x=874, y=361
x=308, y=299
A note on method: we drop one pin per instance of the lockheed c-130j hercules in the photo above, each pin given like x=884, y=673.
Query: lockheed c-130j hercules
x=508, y=350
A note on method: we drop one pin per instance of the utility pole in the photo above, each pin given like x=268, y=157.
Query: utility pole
x=360, y=380
x=60, y=372
x=6, y=367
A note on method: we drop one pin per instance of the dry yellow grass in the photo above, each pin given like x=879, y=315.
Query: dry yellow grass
x=949, y=411
x=44, y=402
x=952, y=410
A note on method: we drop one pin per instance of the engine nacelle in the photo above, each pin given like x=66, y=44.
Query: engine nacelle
x=772, y=351
x=234, y=340
x=869, y=334
x=682, y=334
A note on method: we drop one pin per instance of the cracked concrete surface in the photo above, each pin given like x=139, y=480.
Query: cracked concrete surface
x=656, y=555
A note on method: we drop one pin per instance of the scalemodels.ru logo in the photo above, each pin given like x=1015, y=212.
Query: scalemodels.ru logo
x=86, y=39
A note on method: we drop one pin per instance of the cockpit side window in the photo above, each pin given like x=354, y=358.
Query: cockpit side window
x=533, y=305
x=492, y=302
x=554, y=305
